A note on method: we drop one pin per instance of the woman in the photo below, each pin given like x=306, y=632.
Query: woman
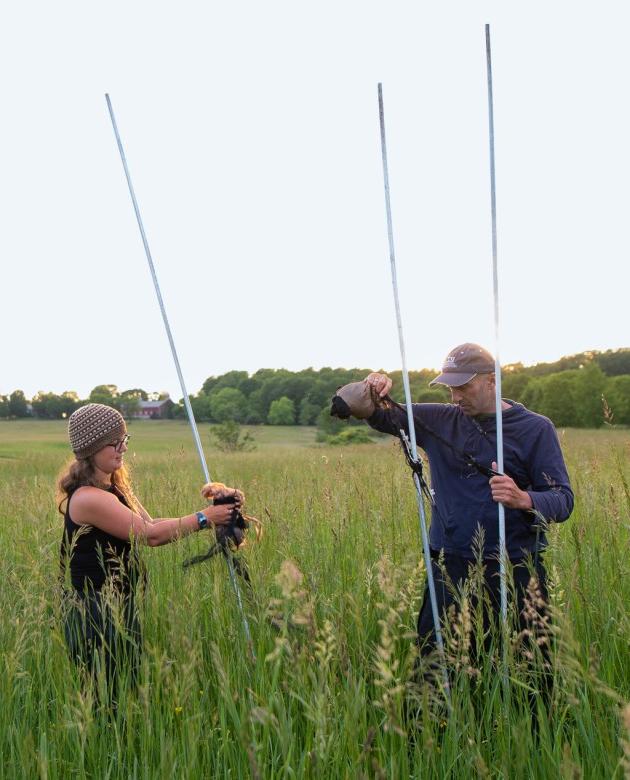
x=103, y=524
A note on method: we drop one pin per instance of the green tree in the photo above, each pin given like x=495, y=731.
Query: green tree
x=179, y=410
x=201, y=407
x=17, y=404
x=558, y=398
x=256, y=410
x=4, y=406
x=228, y=404
x=587, y=392
x=234, y=379
x=311, y=390
x=418, y=384
x=308, y=411
x=41, y=403
x=105, y=394
x=617, y=395
x=281, y=412
x=532, y=395
x=129, y=401
x=47, y=406
x=208, y=386
x=135, y=392
x=614, y=362
x=71, y=402
x=274, y=387
x=513, y=385
x=239, y=380
x=432, y=395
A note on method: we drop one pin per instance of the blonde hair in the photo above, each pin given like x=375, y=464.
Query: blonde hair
x=79, y=473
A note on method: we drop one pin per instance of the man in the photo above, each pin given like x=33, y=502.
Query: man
x=460, y=441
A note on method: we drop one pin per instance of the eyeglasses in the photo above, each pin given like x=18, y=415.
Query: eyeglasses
x=118, y=445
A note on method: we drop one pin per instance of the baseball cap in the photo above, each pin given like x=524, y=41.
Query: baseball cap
x=463, y=364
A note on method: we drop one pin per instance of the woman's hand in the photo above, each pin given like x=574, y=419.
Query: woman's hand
x=219, y=514
x=214, y=491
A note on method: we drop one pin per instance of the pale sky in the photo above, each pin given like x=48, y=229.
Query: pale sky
x=251, y=130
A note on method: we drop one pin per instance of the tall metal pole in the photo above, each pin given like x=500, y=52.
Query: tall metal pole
x=189, y=411
x=412, y=430
x=497, y=363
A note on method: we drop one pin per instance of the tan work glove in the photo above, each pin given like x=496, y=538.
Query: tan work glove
x=358, y=399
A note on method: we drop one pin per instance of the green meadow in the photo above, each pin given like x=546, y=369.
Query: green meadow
x=337, y=581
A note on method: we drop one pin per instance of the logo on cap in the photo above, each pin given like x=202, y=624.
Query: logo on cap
x=464, y=363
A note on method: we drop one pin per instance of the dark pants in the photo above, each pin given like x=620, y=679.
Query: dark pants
x=103, y=632
x=527, y=612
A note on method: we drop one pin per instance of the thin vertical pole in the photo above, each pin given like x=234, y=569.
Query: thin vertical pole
x=497, y=362
x=189, y=411
x=410, y=421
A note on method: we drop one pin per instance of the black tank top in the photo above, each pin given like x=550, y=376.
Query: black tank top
x=97, y=557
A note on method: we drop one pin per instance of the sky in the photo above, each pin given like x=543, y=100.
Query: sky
x=251, y=131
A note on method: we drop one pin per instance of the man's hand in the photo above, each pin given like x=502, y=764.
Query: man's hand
x=505, y=491
x=381, y=383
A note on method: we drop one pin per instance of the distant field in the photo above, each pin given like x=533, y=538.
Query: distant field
x=326, y=696
x=149, y=434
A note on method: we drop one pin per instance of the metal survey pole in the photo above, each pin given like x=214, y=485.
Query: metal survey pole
x=189, y=411
x=405, y=373
x=497, y=363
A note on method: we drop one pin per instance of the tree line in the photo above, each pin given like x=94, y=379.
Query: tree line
x=53, y=406
x=584, y=391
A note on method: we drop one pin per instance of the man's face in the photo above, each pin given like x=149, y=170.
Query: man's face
x=475, y=397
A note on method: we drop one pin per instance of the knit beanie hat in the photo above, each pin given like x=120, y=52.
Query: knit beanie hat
x=93, y=426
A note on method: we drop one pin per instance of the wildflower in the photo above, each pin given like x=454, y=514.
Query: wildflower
x=282, y=647
x=289, y=579
x=179, y=710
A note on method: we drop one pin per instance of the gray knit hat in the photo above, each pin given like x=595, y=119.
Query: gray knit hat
x=93, y=426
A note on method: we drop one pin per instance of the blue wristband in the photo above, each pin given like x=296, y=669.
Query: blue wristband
x=202, y=520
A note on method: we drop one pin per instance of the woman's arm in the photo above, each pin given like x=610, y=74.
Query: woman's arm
x=92, y=506
x=143, y=512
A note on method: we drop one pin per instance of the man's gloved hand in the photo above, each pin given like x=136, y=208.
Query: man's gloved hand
x=381, y=383
x=358, y=399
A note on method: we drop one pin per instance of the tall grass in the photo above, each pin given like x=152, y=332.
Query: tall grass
x=337, y=583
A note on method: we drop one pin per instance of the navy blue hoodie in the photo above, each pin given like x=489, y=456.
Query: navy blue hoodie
x=463, y=501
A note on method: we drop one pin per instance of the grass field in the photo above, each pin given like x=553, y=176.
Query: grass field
x=329, y=694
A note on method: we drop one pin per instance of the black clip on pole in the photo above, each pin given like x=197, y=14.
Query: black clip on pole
x=415, y=465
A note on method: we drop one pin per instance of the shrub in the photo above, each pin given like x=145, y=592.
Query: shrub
x=228, y=437
x=351, y=436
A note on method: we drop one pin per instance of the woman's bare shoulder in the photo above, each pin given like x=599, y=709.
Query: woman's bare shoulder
x=87, y=499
